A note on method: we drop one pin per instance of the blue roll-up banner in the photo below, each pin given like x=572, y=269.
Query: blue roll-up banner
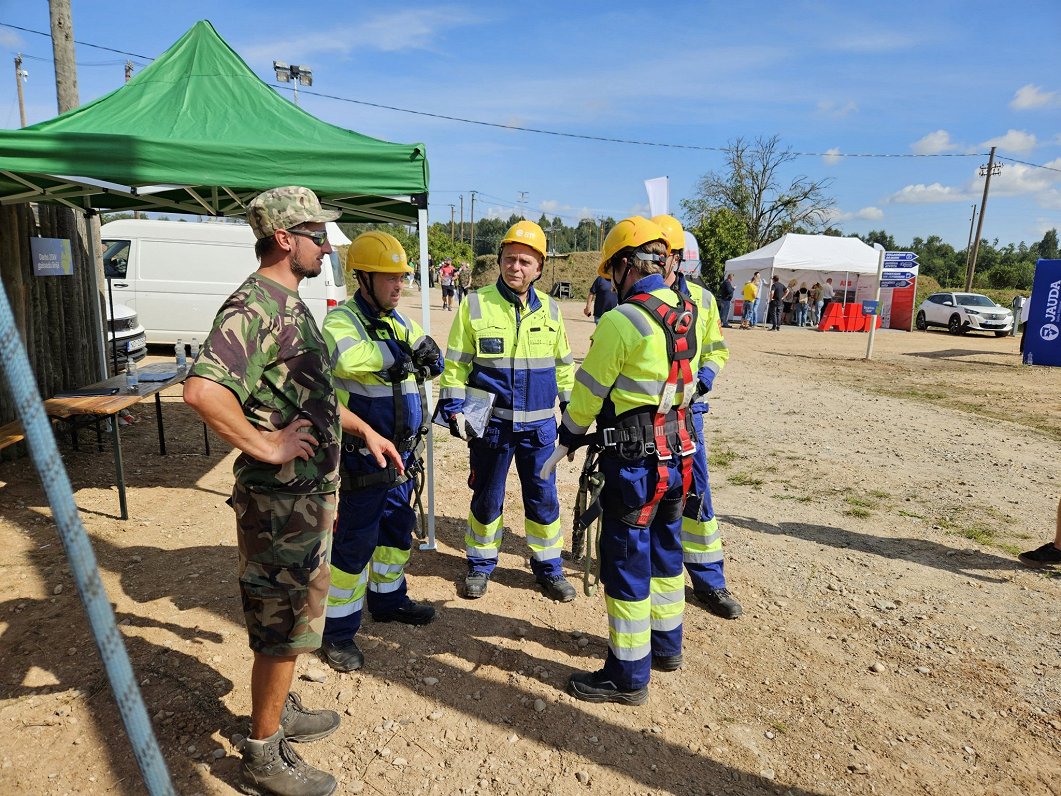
x=1042, y=338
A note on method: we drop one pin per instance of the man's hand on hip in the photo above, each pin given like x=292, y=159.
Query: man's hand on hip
x=288, y=443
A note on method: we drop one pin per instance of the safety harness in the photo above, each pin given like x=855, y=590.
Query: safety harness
x=406, y=439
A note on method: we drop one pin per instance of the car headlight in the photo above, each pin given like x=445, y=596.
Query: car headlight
x=972, y=312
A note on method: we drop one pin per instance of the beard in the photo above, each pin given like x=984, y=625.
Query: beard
x=303, y=270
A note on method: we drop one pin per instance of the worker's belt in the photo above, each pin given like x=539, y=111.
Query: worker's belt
x=635, y=436
x=389, y=475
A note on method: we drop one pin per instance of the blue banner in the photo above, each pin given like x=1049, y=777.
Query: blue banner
x=1042, y=335
x=51, y=257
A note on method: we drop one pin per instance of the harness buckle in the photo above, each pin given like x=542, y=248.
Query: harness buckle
x=608, y=437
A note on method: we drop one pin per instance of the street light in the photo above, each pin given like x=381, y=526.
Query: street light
x=293, y=73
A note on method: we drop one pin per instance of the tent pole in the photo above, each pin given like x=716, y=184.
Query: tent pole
x=429, y=410
x=101, y=332
x=847, y=274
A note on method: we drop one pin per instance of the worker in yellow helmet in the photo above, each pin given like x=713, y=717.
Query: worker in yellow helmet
x=635, y=384
x=508, y=346
x=381, y=359
x=701, y=536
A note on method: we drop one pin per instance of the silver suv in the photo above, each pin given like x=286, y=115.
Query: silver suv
x=964, y=312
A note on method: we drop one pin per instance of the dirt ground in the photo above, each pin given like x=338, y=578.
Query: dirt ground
x=891, y=644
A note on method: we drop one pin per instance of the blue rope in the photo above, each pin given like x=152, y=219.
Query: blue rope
x=41, y=441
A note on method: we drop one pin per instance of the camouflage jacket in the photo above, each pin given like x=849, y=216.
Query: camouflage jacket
x=265, y=346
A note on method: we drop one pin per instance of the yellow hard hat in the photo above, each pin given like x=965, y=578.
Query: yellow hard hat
x=629, y=233
x=377, y=252
x=672, y=228
x=529, y=234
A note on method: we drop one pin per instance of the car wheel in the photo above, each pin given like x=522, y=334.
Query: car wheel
x=1001, y=334
x=921, y=323
x=955, y=325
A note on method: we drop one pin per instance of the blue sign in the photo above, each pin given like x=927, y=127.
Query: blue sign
x=1042, y=333
x=896, y=282
x=51, y=257
x=870, y=307
x=898, y=275
x=900, y=256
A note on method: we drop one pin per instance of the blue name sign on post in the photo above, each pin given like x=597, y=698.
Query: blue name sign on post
x=1042, y=335
x=51, y=257
x=870, y=307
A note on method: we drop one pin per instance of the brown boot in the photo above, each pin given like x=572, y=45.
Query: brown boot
x=272, y=768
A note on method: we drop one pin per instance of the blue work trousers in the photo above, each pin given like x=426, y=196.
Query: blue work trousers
x=701, y=537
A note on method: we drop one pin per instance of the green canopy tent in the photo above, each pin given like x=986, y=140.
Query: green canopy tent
x=198, y=132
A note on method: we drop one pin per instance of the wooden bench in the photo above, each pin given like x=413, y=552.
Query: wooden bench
x=10, y=433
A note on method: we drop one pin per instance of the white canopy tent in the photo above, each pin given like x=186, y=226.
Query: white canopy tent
x=810, y=259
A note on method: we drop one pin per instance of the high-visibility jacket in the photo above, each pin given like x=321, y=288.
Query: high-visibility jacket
x=364, y=344
x=517, y=352
x=626, y=367
x=716, y=352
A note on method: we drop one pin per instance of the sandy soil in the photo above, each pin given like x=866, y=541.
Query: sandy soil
x=871, y=510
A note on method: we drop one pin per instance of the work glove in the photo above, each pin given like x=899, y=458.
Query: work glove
x=550, y=464
x=702, y=388
x=459, y=427
x=428, y=357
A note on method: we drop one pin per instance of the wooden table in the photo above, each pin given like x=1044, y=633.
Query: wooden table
x=105, y=399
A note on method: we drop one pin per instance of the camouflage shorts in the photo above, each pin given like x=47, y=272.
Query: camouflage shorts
x=284, y=545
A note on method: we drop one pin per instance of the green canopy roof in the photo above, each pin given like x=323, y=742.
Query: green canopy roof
x=198, y=132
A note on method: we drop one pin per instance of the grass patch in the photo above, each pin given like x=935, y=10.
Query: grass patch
x=745, y=479
x=779, y=726
x=981, y=534
x=876, y=493
x=719, y=457
x=903, y=513
x=861, y=502
x=858, y=511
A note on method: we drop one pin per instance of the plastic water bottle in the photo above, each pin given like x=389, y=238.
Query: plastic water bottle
x=132, y=380
x=178, y=349
x=193, y=349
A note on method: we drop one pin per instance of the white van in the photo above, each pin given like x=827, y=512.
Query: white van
x=176, y=274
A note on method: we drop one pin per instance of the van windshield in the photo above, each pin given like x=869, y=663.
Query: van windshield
x=338, y=274
x=115, y=258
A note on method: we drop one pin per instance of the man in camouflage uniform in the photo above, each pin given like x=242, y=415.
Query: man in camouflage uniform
x=263, y=382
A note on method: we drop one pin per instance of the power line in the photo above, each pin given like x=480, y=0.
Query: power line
x=82, y=43
x=1025, y=163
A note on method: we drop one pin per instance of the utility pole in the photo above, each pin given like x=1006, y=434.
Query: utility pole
x=63, y=52
x=462, y=218
x=969, y=246
x=985, y=171
x=452, y=210
x=473, y=226
x=20, y=75
x=522, y=199
x=128, y=71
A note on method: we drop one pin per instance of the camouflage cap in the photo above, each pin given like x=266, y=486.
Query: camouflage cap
x=284, y=208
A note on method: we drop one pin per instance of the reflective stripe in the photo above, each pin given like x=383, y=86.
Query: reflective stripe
x=475, y=309
x=628, y=626
x=650, y=388
x=565, y=396
x=713, y=366
x=451, y=393
x=456, y=355
x=718, y=345
x=597, y=389
x=385, y=587
x=666, y=623
x=566, y=359
x=483, y=535
x=572, y=426
x=354, y=387
x=637, y=317
x=485, y=553
x=519, y=363
x=554, y=310
x=386, y=569
x=336, y=611
x=524, y=417
x=702, y=558
x=690, y=538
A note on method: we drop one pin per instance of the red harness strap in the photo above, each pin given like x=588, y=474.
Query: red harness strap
x=679, y=326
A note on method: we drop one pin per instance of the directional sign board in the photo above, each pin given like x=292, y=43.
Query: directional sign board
x=896, y=282
x=889, y=274
x=899, y=257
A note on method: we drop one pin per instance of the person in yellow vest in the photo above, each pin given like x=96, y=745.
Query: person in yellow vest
x=636, y=383
x=508, y=345
x=381, y=359
x=750, y=294
x=701, y=536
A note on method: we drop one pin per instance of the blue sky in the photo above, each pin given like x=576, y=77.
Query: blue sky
x=896, y=78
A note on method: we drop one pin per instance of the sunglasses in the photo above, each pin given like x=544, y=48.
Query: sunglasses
x=319, y=238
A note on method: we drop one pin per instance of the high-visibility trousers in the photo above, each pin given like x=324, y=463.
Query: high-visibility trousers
x=490, y=459
x=373, y=539
x=701, y=536
x=641, y=569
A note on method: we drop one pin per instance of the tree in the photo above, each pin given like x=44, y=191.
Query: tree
x=1047, y=248
x=721, y=236
x=752, y=188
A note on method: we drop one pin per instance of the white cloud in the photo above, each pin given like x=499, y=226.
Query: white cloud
x=837, y=109
x=1013, y=141
x=10, y=39
x=569, y=213
x=1029, y=97
x=921, y=194
x=865, y=214
x=832, y=156
x=934, y=143
x=414, y=29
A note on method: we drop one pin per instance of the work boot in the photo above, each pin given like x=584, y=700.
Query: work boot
x=272, y=768
x=301, y=724
x=409, y=614
x=343, y=656
x=475, y=585
x=557, y=588
x=667, y=663
x=719, y=602
x=592, y=687
x=1045, y=557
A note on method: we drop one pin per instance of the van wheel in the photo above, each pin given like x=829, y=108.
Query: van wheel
x=921, y=323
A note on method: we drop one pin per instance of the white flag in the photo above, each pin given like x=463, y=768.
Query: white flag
x=658, y=189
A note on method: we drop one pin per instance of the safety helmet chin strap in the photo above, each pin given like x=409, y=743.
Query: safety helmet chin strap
x=366, y=278
x=643, y=257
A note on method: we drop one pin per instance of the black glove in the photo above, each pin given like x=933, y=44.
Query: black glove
x=459, y=427
x=563, y=406
x=427, y=357
x=402, y=369
x=701, y=388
